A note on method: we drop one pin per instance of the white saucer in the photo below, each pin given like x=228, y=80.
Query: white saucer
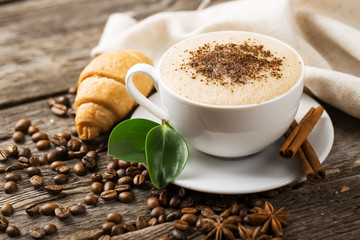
x=256, y=173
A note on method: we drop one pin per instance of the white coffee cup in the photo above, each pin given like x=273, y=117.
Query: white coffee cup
x=224, y=131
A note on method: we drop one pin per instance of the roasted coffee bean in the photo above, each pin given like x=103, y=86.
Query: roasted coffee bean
x=12, y=149
x=235, y=219
x=37, y=181
x=164, y=198
x=181, y=225
x=74, y=131
x=189, y=210
x=126, y=197
x=50, y=229
x=225, y=214
x=10, y=187
x=96, y=177
x=106, y=227
x=177, y=214
x=207, y=212
x=12, y=231
x=79, y=169
x=52, y=156
x=101, y=148
x=7, y=209
x=158, y=191
x=141, y=222
x=23, y=160
x=139, y=180
x=121, y=172
x=243, y=211
x=105, y=237
x=125, y=180
x=39, y=136
x=50, y=101
x=86, y=149
x=60, y=179
x=114, y=217
x=145, y=173
x=18, y=137
x=97, y=187
x=48, y=208
x=37, y=232
x=65, y=135
x=16, y=167
x=3, y=223
x=153, y=222
x=34, y=161
x=153, y=202
x=62, y=212
x=109, y=186
x=56, y=164
x=91, y=199
x=129, y=227
x=108, y=195
x=2, y=170
x=122, y=188
x=117, y=230
x=140, y=166
x=157, y=211
x=132, y=171
x=177, y=234
x=3, y=155
x=61, y=152
x=53, y=189
x=58, y=140
x=189, y=218
x=59, y=109
x=161, y=218
x=12, y=177
x=133, y=164
x=74, y=144
x=24, y=152
x=109, y=174
x=89, y=162
x=76, y=154
x=174, y=201
x=64, y=100
x=32, y=209
x=123, y=164
x=43, y=159
x=77, y=209
x=72, y=90
x=62, y=169
x=92, y=154
x=234, y=208
x=43, y=145
x=32, y=129
x=112, y=165
x=170, y=217
x=22, y=125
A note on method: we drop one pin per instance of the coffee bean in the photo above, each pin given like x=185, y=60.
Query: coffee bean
x=43, y=159
x=50, y=101
x=53, y=189
x=24, y=152
x=32, y=209
x=101, y=148
x=58, y=140
x=34, y=161
x=122, y=188
x=12, y=149
x=105, y=237
x=108, y=195
x=174, y=201
x=64, y=100
x=37, y=232
x=12, y=231
x=153, y=222
x=126, y=197
x=243, y=211
x=62, y=169
x=225, y=214
x=22, y=125
x=52, y=156
x=109, y=174
x=23, y=160
x=145, y=173
x=16, y=167
x=96, y=187
x=121, y=172
x=157, y=191
x=39, y=136
x=74, y=144
x=79, y=169
x=89, y=162
x=2, y=170
x=123, y=164
x=189, y=218
x=3, y=223
x=48, y=208
x=129, y=227
x=50, y=229
x=153, y=202
x=96, y=177
x=60, y=179
x=132, y=171
x=114, y=217
x=61, y=152
x=10, y=187
x=164, y=198
x=177, y=234
x=86, y=149
x=62, y=212
x=117, y=230
x=140, y=166
x=18, y=137
x=207, y=212
x=76, y=154
x=125, y=180
x=141, y=222
x=12, y=177
x=92, y=154
x=157, y=211
x=189, y=210
x=37, y=181
x=43, y=145
x=177, y=214
x=90, y=200
x=106, y=227
x=55, y=164
x=109, y=186
x=170, y=217
x=77, y=209
x=181, y=225
x=161, y=218
x=59, y=109
x=74, y=131
x=112, y=165
x=32, y=129
x=139, y=180
x=235, y=219
x=7, y=209
x=4, y=155
x=65, y=134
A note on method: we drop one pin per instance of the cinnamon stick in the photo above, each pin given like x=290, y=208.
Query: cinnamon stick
x=301, y=132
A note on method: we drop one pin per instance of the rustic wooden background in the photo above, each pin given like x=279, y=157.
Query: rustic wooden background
x=43, y=47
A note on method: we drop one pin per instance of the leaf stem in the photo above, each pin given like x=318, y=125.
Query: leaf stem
x=163, y=122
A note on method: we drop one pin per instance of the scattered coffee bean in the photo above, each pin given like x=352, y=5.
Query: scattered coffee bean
x=77, y=209
x=43, y=145
x=153, y=222
x=90, y=199
x=65, y=134
x=52, y=156
x=112, y=165
x=61, y=152
x=108, y=195
x=13, y=167
x=89, y=162
x=114, y=217
x=59, y=109
x=164, y=198
x=76, y=154
x=145, y=173
x=117, y=230
x=74, y=144
x=181, y=225
x=123, y=164
x=207, y=212
x=37, y=232
x=24, y=152
x=235, y=219
x=55, y=164
x=101, y=148
x=189, y=218
x=12, y=177
x=34, y=161
x=62, y=169
x=50, y=101
x=50, y=229
x=161, y=218
x=3, y=223
x=96, y=177
x=62, y=212
x=132, y=171
x=18, y=137
x=79, y=169
x=2, y=170
x=129, y=227
x=64, y=100
x=32, y=129
x=105, y=237
x=110, y=174
x=53, y=189
x=125, y=180
x=60, y=179
x=106, y=227
x=121, y=172
x=43, y=159
x=37, y=181
x=12, y=149
x=12, y=231
x=157, y=211
x=23, y=160
x=170, y=217
x=74, y=131
x=96, y=187
x=126, y=197
x=7, y=209
x=141, y=222
x=10, y=187
x=32, y=209
x=48, y=208
x=189, y=210
x=225, y=214
x=22, y=125
x=109, y=186
x=3, y=155
x=174, y=201
x=39, y=136
x=153, y=202
x=122, y=188
x=139, y=180
x=58, y=140
x=177, y=234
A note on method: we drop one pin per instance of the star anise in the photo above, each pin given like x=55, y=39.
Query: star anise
x=251, y=233
x=271, y=218
x=217, y=228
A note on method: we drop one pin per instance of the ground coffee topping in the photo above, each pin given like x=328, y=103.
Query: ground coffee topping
x=232, y=64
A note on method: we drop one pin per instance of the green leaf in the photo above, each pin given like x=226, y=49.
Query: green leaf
x=166, y=154
x=127, y=140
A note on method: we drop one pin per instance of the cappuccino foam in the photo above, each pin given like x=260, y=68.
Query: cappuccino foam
x=230, y=69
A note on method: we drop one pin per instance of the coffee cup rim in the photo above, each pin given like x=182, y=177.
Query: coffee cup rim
x=299, y=81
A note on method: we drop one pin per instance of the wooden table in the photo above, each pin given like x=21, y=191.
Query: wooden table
x=43, y=47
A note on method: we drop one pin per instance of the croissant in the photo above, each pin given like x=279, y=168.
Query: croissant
x=102, y=99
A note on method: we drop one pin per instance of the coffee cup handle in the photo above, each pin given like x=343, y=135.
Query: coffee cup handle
x=138, y=97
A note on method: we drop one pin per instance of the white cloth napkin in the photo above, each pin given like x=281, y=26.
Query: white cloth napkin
x=326, y=33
